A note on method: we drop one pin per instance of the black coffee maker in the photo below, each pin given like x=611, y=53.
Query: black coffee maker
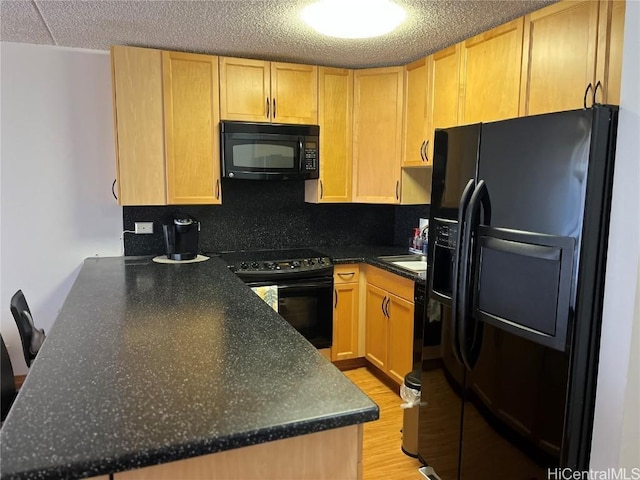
x=181, y=237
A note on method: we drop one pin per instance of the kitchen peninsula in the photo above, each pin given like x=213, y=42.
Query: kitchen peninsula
x=151, y=365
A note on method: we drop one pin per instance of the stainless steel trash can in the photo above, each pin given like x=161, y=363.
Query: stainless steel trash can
x=410, y=418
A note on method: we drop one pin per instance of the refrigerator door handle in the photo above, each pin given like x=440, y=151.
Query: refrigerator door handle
x=462, y=212
x=479, y=200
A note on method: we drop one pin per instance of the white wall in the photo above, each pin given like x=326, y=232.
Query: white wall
x=58, y=163
x=616, y=432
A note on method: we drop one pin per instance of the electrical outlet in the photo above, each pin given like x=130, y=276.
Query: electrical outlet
x=144, y=227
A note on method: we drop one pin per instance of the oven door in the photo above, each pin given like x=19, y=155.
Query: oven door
x=307, y=305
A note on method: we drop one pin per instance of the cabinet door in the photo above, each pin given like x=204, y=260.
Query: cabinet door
x=345, y=322
x=294, y=93
x=415, y=114
x=609, y=57
x=245, y=87
x=559, y=57
x=490, y=67
x=400, y=337
x=191, y=113
x=376, y=327
x=138, y=123
x=444, y=91
x=335, y=106
x=377, y=134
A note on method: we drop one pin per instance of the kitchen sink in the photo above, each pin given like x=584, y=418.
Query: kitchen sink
x=415, y=263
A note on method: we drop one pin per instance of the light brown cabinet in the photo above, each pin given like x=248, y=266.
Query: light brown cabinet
x=345, y=312
x=490, y=65
x=444, y=91
x=416, y=120
x=261, y=91
x=191, y=114
x=609, y=55
x=389, y=322
x=376, y=327
x=167, y=149
x=572, y=49
x=377, y=143
x=335, y=107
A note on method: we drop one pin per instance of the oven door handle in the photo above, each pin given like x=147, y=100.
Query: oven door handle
x=307, y=285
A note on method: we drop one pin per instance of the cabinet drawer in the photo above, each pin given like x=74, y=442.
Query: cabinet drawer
x=347, y=273
x=400, y=286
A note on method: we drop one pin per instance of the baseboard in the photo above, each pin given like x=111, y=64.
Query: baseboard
x=350, y=364
x=383, y=377
x=354, y=363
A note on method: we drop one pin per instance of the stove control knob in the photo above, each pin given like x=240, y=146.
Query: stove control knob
x=295, y=264
x=255, y=265
x=312, y=261
x=244, y=266
x=321, y=261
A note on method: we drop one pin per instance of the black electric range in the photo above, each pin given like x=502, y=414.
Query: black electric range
x=303, y=281
x=268, y=265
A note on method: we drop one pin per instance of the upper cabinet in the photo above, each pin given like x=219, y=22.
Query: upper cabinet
x=444, y=91
x=377, y=129
x=416, y=120
x=166, y=127
x=559, y=61
x=294, y=93
x=138, y=125
x=610, y=39
x=261, y=91
x=490, y=66
x=191, y=118
x=335, y=106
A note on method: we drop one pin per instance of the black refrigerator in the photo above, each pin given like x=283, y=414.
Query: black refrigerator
x=517, y=249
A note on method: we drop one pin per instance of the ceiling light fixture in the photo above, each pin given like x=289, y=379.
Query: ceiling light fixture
x=353, y=18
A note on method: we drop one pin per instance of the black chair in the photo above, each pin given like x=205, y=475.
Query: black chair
x=31, y=336
x=8, y=393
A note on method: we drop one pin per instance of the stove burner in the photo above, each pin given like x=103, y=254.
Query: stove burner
x=268, y=264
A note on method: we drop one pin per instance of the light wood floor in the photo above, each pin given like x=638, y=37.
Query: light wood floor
x=381, y=455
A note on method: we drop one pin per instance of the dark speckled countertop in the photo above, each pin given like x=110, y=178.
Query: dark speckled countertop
x=149, y=363
x=369, y=254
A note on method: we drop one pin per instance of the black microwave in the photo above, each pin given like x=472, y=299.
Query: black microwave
x=269, y=151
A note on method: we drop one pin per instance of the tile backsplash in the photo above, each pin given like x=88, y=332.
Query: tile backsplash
x=270, y=215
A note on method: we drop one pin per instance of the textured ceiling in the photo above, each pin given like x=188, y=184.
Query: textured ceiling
x=249, y=28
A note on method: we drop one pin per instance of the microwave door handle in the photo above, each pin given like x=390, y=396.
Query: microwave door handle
x=300, y=154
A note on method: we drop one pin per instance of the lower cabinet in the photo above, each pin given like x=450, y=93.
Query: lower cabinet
x=345, y=312
x=389, y=322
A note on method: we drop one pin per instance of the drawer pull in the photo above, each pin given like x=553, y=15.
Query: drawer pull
x=346, y=274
